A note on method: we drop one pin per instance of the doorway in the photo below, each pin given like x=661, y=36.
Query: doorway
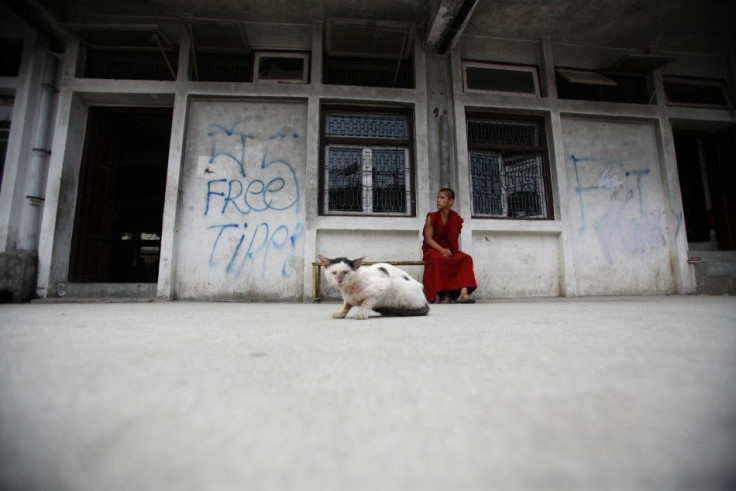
x=120, y=202
x=706, y=165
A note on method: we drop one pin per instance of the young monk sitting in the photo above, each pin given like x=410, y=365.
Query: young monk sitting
x=448, y=272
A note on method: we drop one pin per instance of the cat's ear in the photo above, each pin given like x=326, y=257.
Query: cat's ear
x=323, y=261
x=358, y=262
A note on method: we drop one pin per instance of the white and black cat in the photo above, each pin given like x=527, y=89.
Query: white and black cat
x=381, y=287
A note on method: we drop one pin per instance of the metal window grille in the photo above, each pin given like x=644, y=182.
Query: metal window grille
x=500, y=132
x=366, y=178
x=368, y=72
x=128, y=64
x=224, y=67
x=367, y=126
x=485, y=176
x=507, y=169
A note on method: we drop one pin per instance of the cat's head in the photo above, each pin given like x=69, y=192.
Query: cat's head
x=340, y=271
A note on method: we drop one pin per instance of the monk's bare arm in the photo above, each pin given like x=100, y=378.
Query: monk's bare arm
x=428, y=234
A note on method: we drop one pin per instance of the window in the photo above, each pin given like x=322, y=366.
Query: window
x=282, y=67
x=487, y=77
x=125, y=51
x=508, y=167
x=368, y=54
x=368, y=72
x=366, y=162
x=694, y=92
x=582, y=85
x=130, y=64
x=210, y=66
x=220, y=51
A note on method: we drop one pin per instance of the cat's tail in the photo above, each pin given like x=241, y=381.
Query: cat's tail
x=402, y=311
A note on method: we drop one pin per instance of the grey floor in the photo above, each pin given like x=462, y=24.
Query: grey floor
x=569, y=394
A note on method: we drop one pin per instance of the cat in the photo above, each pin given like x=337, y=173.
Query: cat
x=388, y=290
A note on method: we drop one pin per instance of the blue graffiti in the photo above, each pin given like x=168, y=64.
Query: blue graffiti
x=243, y=195
x=617, y=230
x=215, y=130
x=272, y=186
x=611, y=179
x=634, y=235
x=253, y=242
x=679, y=218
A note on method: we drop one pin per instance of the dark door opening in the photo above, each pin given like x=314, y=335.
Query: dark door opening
x=118, y=221
x=706, y=164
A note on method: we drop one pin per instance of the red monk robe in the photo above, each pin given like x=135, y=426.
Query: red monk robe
x=446, y=274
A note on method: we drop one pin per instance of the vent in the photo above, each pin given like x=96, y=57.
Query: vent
x=486, y=77
x=681, y=91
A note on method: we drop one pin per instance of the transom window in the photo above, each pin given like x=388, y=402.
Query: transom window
x=366, y=162
x=508, y=167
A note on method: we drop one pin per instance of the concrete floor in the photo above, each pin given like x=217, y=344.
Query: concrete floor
x=569, y=394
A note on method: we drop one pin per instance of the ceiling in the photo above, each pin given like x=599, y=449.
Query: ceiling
x=703, y=26
x=700, y=26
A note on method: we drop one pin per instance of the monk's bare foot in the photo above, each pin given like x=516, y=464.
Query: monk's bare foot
x=465, y=299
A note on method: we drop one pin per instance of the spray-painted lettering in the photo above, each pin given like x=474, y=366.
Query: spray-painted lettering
x=266, y=192
x=621, y=228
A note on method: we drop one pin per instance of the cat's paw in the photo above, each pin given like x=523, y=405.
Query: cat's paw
x=340, y=314
x=362, y=314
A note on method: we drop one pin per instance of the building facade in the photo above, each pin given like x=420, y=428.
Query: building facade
x=213, y=159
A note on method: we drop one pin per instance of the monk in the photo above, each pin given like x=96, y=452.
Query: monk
x=448, y=272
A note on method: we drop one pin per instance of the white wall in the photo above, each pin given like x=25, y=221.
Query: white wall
x=513, y=264
x=617, y=213
x=240, y=230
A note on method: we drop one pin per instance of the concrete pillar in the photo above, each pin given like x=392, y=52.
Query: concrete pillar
x=167, y=261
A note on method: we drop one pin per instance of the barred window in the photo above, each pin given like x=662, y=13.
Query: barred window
x=367, y=163
x=508, y=168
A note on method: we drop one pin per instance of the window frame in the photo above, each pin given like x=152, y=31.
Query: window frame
x=543, y=178
x=407, y=145
x=697, y=82
x=281, y=54
x=533, y=70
